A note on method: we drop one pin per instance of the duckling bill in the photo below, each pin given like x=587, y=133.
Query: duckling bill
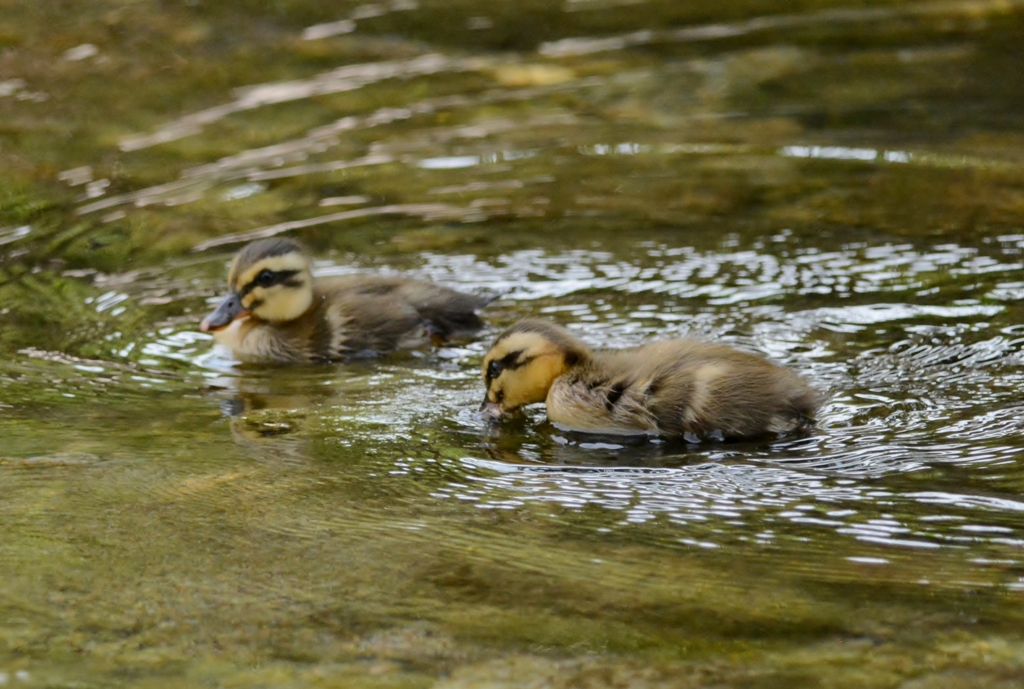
x=682, y=388
x=275, y=311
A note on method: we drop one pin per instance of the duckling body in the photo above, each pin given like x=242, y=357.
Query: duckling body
x=277, y=312
x=673, y=389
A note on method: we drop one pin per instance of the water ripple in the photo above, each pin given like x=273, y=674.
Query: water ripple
x=771, y=502
x=831, y=17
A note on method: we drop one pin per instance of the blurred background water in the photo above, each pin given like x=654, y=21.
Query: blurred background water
x=837, y=185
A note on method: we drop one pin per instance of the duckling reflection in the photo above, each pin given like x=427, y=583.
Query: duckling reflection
x=282, y=407
x=676, y=389
x=276, y=312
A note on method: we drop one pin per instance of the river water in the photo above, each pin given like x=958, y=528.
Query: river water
x=838, y=186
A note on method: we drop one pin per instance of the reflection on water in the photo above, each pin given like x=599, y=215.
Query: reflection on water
x=829, y=19
x=835, y=187
x=726, y=503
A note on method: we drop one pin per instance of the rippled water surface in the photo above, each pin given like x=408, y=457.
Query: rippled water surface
x=838, y=186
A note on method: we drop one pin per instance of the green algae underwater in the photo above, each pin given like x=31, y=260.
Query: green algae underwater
x=838, y=186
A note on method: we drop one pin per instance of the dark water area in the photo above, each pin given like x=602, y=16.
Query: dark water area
x=837, y=186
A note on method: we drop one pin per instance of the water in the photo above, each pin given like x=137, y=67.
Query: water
x=836, y=186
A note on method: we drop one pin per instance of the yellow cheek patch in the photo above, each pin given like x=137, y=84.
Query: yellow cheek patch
x=282, y=303
x=531, y=382
x=252, y=297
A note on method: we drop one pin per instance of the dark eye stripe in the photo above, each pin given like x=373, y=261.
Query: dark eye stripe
x=284, y=277
x=509, y=362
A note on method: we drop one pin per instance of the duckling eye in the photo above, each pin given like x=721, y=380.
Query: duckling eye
x=266, y=278
x=494, y=369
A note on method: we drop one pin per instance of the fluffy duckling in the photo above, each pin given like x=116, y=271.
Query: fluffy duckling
x=277, y=312
x=675, y=389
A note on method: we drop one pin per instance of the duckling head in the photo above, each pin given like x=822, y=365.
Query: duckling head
x=269, y=280
x=523, y=363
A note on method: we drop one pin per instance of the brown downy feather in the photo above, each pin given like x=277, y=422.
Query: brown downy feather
x=674, y=389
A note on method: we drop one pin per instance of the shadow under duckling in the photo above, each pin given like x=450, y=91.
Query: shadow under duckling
x=276, y=312
x=675, y=389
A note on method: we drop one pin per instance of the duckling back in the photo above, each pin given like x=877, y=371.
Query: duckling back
x=371, y=313
x=682, y=388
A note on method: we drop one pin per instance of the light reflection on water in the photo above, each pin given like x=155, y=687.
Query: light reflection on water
x=836, y=17
x=726, y=503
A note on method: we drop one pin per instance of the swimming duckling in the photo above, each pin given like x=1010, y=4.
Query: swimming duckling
x=277, y=312
x=675, y=389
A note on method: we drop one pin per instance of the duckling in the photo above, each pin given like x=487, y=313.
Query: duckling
x=276, y=311
x=681, y=388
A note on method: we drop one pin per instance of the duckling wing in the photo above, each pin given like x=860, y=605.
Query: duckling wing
x=711, y=390
x=449, y=313
x=370, y=313
x=682, y=388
